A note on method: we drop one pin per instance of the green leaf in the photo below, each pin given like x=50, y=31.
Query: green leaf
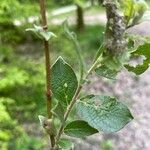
x=113, y=62
x=134, y=10
x=64, y=144
x=106, y=72
x=143, y=50
x=47, y=35
x=42, y=34
x=99, y=52
x=58, y=111
x=73, y=37
x=79, y=129
x=104, y=113
x=64, y=81
x=70, y=34
x=139, y=69
x=140, y=7
x=128, y=6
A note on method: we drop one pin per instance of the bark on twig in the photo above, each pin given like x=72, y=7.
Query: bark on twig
x=47, y=66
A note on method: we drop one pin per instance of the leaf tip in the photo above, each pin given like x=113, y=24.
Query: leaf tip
x=60, y=59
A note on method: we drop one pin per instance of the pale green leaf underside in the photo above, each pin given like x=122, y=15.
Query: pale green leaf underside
x=64, y=81
x=41, y=33
x=104, y=113
x=79, y=129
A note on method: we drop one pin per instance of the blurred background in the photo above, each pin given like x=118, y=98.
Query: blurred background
x=22, y=74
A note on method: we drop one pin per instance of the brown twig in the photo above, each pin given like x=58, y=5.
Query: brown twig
x=47, y=65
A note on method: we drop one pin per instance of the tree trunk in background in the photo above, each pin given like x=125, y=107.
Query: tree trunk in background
x=80, y=18
x=92, y=2
x=100, y=2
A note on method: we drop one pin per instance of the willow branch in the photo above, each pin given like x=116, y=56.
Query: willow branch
x=47, y=66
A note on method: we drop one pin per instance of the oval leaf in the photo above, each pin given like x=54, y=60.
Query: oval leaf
x=79, y=129
x=64, y=81
x=104, y=113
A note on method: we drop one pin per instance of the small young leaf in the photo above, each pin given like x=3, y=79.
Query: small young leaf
x=104, y=113
x=64, y=81
x=58, y=111
x=79, y=129
x=140, y=7
x=134, y=10
x=73, y=37
x=47, y=35
x=64, y=144
x=106, y=72
x=41, y=33
x=128, y=6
